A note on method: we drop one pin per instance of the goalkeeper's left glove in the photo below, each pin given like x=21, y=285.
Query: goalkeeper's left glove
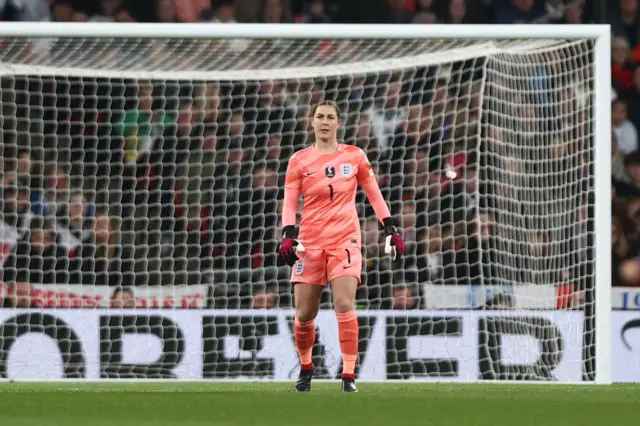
x=393, y=243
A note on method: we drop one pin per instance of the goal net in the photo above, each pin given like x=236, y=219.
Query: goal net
x=142, y=187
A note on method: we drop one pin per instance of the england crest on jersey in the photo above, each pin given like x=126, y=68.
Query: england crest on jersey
x=346, y=169
x=299, y=267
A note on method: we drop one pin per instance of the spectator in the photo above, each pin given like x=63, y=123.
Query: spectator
x=123, y=297
x=457, y=13
x=57, y=190
x=124, y=16
x=624, y=21
x=625, y=131
x=404, y=297
x=248, y=10
x=259, y=217
x=169, y=160
x=424, y=18
x=273, y=154
x=38, y=259
x=225, y=13
x=622, y=249
x=519, y=12
x=631, y=97
x=555, y=10
x=617, y=163
x=408, y=223
x=104, y=260
x=62, y=11
x=435, y=259
x=388, y=114
x=23, y=169
x=208, y=104
x=574, y=14
x=139, y=128
x=424, y=6
x=500, y=301
x=632, y=213
x=17, y=211
x=275, y=11
x=79, y=216
x=79, y=17
x=226, y=196
x=475, y=261
x=24, y=10
x=185, y=10
x=264, y=299
x=398, y=12
x=632, y=169
x=108, y=11
x=140, y=124
x=316, y=14
x=363, y=135
x=622, y=74
x=167, y=11
x=18, y=296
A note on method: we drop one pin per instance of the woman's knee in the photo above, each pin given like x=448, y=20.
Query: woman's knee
x=343, y=304
x=306, y=312
x=343, y=292
x=307, y=302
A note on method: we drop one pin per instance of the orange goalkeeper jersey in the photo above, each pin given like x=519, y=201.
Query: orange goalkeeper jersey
x=328, y=184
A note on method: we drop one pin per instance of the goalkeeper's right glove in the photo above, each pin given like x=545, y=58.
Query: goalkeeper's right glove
x=289, y=246
x=394, y=244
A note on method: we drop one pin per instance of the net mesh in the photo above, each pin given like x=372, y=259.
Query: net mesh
x=158, y=165
x=215, y=56
x=540, y=144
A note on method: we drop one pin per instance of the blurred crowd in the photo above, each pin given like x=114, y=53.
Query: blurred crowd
x=625, y=55
x=126, y=182
x=304, y=11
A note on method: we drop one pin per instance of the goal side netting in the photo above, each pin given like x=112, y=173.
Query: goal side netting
x=142, y=189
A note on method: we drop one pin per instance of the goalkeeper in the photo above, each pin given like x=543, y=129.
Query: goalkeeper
x=327, y=248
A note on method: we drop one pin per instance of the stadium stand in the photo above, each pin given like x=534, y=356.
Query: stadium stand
x=161, y=215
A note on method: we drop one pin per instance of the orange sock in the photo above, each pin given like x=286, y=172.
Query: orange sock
x=305, y=333
x=348, y=331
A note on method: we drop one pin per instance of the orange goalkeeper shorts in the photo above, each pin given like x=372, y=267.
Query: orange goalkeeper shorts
x=321, y=266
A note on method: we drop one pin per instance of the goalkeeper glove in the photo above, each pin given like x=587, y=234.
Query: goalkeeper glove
x=289, y=246
x=393, y=244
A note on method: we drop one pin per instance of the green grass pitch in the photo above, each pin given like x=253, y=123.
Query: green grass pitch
x=274, y=404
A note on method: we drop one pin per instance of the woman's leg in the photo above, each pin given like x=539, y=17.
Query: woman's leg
x=307, y=305
x=343, y=291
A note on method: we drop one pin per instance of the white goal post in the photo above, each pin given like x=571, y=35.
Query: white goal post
x=530, y=199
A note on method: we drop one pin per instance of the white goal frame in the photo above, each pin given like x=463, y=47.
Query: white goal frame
x=600, y=34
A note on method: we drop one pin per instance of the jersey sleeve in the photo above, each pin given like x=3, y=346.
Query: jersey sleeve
x=365, y=171
x=368, y=182
x=292, y=189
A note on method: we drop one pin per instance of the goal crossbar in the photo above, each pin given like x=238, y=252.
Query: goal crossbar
x=296, y=31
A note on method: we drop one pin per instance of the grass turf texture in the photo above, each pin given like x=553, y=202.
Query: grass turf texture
x=267, y=404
